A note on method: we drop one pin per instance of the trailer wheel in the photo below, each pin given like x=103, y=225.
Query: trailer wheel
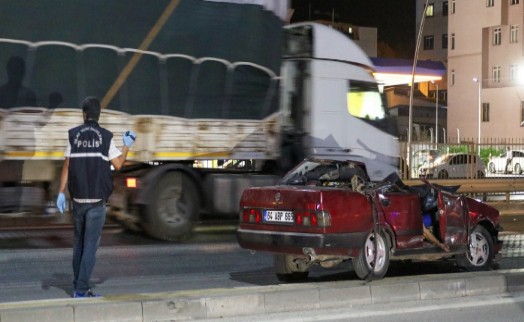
x=173, y=209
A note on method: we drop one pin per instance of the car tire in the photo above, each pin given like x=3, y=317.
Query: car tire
x=518, y=169
x=287, y=270
x=443, y=174
x=479, y=255
x=373, y=260
x=491, y=167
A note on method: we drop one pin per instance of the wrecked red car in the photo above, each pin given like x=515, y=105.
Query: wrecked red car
x=324, y=212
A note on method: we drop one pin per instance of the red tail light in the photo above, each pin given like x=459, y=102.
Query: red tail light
x=299, y=218
x=251, y=216
x=312, y=218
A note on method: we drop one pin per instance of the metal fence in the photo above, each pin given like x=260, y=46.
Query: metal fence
x=496, y=158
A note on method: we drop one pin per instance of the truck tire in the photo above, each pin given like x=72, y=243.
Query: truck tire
x=174, y=207
x=287, y=270
x=373, y=260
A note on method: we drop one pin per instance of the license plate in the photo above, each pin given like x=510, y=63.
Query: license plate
x=278, y=216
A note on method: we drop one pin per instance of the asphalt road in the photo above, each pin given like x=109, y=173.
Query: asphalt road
x=513, y=223
x=36, y=264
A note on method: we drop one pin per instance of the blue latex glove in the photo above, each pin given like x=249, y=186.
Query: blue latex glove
x=61, y=202
x=129, y=138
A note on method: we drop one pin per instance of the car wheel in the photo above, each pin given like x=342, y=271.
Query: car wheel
x=518, y=168
x=443, y=174
x=373, y=259
x=288, y=269
x=491, y=167
x=479, y=254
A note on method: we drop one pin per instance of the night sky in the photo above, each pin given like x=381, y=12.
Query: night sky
x=395, y=19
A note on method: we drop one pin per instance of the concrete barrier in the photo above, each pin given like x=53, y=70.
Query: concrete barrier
x=246, y=301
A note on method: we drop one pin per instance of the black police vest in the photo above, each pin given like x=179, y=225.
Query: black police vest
x=89, y=165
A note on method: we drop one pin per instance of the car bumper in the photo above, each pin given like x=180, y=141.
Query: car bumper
x=294, y=242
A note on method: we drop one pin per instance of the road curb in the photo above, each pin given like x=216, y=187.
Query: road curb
x=259, y=300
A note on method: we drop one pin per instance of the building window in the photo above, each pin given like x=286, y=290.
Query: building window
x=452, y=6
x=485, y=112
x=513, y=72
x=445, y=41
x=453, y=41
x=495, y=76
x=430, y=10
x=445, y=8
x=452, y=77
x=497, y=36
x=490, y=3
x=514, y=2
x=521, y=113
x=514, y=34
x=428, y=42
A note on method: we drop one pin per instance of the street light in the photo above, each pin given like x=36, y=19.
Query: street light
x=436, y=112
x=476, y=80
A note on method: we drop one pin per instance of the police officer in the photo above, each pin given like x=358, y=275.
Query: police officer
x=87, y=173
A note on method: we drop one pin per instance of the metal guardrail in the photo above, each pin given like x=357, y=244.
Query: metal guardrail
x=480, y=186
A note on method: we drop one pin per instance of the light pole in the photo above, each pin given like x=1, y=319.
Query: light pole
x=477, y=80
x=436, y=112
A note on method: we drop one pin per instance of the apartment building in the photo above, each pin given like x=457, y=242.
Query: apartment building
x=434, y=41
x=434, y=47
x=485, y=59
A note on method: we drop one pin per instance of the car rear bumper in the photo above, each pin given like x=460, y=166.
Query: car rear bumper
x=276, y=241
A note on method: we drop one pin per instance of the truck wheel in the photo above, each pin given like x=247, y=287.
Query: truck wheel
x=173, y=209
x=287, y=269
x=479, y=254
x=373, y=260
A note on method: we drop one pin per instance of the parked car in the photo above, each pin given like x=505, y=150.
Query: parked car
x=326, y=212
x=511, y=161
x=458, y=165
x=424, y=157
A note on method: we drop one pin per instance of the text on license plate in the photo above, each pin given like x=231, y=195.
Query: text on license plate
x=278, y=216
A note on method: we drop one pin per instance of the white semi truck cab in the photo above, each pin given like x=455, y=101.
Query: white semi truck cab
x=330, y=95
